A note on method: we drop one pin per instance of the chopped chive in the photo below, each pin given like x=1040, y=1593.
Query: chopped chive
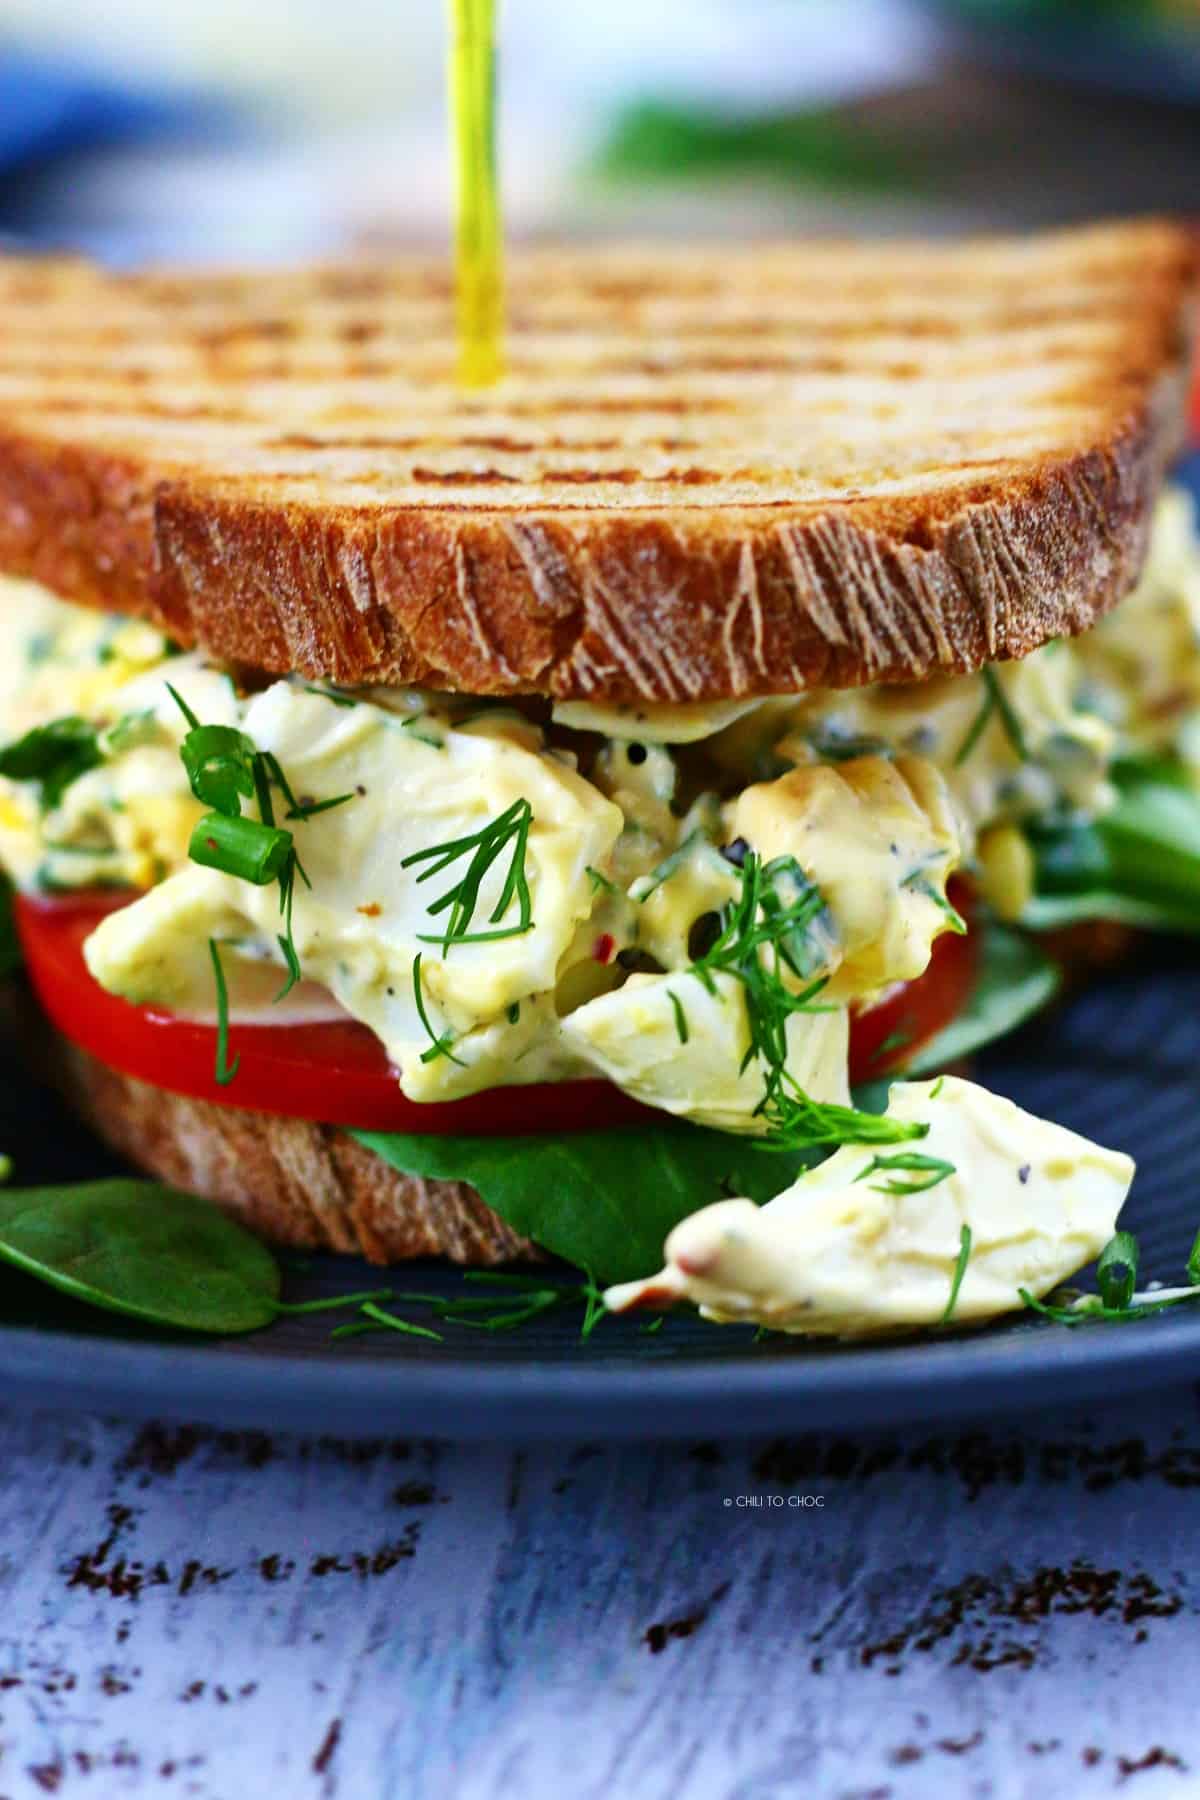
x=224, y=1071
x=652, y=1325
x=937, y=1087
x=219, y=761
x=960, y=1269
x=1193, y=1262
x=1116, y=1270
x=600, y=882
x=241, y=847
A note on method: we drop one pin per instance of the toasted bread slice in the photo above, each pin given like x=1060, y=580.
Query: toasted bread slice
x=291, y=1182
x=706, y=474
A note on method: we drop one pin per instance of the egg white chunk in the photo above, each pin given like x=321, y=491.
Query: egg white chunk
x=674, y=1042
x=838, y=1254
x=366, y=916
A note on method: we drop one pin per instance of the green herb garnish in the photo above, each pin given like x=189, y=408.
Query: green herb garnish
x=917, y=881
x=995, y=700
x=244, y=848
x=931, y=1169
x=438, y=1046
x=513, y=1300
x=426, y=736
x=960, y=1269
x=1008, y=718
x=54, y=756
x=601, y=883
x=225, y=767
x=1116, y=1277
x=779, y=926
x=510, y=831
x=225, y=1071
x=681, y=1024
x=1116, y=1271
x=330, y=694
x=664, y=870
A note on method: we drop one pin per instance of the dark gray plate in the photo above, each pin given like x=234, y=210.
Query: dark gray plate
x=1121, y=1063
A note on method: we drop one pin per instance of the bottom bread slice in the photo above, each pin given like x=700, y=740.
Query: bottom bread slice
x=290, y=1181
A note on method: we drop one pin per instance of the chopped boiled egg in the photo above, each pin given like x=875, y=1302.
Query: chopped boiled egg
x=989, y=1202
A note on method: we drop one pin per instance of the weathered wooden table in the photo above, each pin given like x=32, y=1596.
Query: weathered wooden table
x=998, y=1611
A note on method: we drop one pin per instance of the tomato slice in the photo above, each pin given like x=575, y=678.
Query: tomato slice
x=337, y=1072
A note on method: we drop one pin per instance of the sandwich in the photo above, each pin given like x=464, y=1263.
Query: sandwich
x=548, y=820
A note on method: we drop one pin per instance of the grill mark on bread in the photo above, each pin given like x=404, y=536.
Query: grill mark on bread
x=757, y=528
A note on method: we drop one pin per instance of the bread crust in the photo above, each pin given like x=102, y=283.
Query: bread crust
x=664, y=583
x=289, y=1181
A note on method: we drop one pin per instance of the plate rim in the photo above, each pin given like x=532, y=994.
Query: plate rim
x=858, y=1388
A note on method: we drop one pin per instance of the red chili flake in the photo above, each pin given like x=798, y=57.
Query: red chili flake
x=604, y=947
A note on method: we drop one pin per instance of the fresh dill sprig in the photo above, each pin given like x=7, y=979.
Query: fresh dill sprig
x=601, y=883
x=960, y=1269
x=918, y=881
x=509, y=831
x=225, y=1070
x=930, y=1170
x=995, y=700
x=439, y=1045
x=512, y=1300
x=663, y=871
x=428, y=737
x=1008, y=718
x=779, y=927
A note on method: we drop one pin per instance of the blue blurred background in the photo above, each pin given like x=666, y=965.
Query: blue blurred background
x=209, y=129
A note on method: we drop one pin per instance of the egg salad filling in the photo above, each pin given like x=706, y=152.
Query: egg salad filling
x=996, y=1201
x=689, y=901
x=504, y=898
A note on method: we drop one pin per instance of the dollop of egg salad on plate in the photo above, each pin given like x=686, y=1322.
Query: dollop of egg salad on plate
x=641, y=976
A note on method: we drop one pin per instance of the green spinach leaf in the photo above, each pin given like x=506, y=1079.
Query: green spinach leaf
x=1139, y=864
x=139, y=1248
x=603, y=1200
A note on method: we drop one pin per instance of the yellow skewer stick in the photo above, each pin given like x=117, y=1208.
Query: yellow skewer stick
x=478, y=246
